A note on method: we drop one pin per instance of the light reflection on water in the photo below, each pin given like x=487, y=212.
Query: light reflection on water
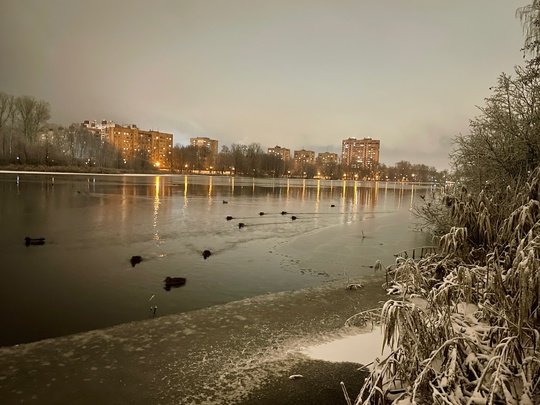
x=81, y=278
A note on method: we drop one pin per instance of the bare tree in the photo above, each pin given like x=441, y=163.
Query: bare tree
x=224, y=160
x=253, y=155
x=184, y=158
x=32, y=115
x=238, y=152
x=7, y=109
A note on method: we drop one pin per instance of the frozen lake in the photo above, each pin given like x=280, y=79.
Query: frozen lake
x=81, y=278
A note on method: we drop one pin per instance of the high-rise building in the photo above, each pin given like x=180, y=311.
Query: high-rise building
x=135, y=143
x=278, y=151
x=100, y=129
x=360, y=153
x=210, y=148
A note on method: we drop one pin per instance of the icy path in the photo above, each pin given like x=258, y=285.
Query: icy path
x=218, y=355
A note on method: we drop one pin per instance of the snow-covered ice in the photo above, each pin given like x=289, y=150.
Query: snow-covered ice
x=218, y=355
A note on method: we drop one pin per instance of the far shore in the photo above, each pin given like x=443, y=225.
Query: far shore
x=80, y=170
x=69, y=170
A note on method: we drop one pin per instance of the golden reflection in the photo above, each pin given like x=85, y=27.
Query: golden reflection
x=318, y=198
x=369, y=197
x=355, y=194
x=385, y=194
x=364, y=195
x=400, y=195
x=288, y=187
x=232, y=185
x=375, y=195
x=344, y=191
x=123, y=201
x=185, y=190
x=156, y=209
x=209, y=188
x=303, y=189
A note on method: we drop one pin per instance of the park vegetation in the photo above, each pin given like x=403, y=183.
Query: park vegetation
x=28, y=140
x=463, y=326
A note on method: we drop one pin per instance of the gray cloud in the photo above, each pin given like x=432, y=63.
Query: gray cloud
x=288, y=72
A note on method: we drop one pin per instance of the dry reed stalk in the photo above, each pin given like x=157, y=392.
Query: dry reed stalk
x=489, y=258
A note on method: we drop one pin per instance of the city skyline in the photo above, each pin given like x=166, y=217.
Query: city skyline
x=103, y=129
x=305, y=74
x=125, y=137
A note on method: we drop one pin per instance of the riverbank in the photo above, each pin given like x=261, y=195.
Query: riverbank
x=238, y=353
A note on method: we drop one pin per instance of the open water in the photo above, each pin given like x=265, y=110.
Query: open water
x=81, y=278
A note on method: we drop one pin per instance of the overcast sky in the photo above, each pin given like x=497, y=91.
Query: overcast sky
x=299, y=74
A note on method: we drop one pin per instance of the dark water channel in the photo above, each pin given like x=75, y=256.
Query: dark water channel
x=81, y=278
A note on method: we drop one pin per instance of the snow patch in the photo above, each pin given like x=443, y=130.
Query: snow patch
x=361, y=348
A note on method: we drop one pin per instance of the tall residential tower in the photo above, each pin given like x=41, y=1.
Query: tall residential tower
x=360, y=153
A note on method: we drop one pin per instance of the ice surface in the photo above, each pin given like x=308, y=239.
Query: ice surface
x=218, y=355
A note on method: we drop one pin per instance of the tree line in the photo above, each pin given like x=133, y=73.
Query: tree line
x=27, y=138
x=252, y=160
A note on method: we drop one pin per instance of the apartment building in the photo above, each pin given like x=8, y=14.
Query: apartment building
x=208, y=151
x=99, y=128
x=135, y=143
x=280, y=152
x=360, y=153
x=304, y=156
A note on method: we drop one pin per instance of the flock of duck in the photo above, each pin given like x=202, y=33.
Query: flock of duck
x=180, y=281
x=169, y=281
x=242, y=224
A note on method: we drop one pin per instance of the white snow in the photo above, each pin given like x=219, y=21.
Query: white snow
x=362, y=348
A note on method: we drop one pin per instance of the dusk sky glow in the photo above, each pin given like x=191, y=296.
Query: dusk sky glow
x=294, y=73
